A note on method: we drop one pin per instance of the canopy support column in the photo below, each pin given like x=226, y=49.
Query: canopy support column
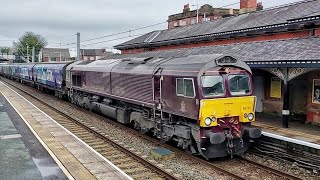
x=286, y=106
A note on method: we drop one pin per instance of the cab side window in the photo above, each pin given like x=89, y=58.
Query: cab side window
x=185, y=87
x=180, y=89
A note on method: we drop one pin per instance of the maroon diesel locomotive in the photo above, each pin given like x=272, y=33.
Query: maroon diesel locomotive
x=204, y=103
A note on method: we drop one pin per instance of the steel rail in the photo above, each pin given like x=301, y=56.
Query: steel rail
x=178, y=151
x=271, y=170
x=119, y=147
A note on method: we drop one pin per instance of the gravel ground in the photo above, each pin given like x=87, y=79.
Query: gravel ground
x=287, y=167
x=183, y=167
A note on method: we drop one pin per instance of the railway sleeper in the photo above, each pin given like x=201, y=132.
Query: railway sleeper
x=117, y=156
x=121, y=161
x=138, y=170
x=78, y=130
x=73, y=127
x=89, y=139
x=110, y=153
x=98, y=147
x=129, y=165
x=99, y=144
x=147, y=174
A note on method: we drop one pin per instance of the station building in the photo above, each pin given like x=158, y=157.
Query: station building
x=280, y=44
x=208, y=13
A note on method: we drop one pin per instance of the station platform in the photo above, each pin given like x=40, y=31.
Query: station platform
x=297, y=133
x=34, y=146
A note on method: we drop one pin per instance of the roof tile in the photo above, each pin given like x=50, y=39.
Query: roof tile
x=269, y=17
x=274, y=50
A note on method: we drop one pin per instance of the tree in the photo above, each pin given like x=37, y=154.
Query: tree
x=28, y=41
x=5, y=50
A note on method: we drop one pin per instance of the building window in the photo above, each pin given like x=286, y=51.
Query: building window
x=185, y=87
x=316, y=91
x=183, y=22
x=175, y=23
x=193, y=21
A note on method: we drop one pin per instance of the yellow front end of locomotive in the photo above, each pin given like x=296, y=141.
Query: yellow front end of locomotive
x=213, y=109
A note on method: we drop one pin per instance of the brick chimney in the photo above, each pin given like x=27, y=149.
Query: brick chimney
x=186, y=8
x=248, y=6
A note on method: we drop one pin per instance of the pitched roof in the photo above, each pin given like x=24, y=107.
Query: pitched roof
x=277, y=51
x=260, y=20
x=3, y=59
x=55, y=52
x=94, y=52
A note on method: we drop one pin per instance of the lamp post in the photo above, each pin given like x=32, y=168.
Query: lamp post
x=27, y=53
x=197, y=5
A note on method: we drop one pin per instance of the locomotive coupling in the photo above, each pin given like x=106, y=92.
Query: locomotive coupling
x=253, y=132
x=216, y=138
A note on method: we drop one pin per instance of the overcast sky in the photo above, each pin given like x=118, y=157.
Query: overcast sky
x=59, y=20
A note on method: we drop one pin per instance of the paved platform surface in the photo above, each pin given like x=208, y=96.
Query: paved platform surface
x=297, y=130
x=22, y=155
x=77, y=159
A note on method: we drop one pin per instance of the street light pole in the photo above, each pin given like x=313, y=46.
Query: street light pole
x=197, y=5
x=27, y=53
x=197, y=13
x=33, y=54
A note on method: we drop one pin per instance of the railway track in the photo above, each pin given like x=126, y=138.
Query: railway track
x=266, y=168
x=131, y=162
x=280, y=151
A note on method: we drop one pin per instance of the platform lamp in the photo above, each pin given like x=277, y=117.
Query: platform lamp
x=197, y=5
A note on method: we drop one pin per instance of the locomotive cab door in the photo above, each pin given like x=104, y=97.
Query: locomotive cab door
x=157, y=88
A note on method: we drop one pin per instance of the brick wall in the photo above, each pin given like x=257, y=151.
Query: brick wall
x=317, y=32
x=132, y=51
x=248, y=4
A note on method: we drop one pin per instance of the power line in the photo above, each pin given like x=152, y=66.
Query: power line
x=62, y=36
x=114, y=39
x=144, y=27
x=123, y=32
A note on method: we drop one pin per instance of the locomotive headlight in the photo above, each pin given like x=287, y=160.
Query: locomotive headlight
x=208, y=121
x=214, y=119
x=250, y=116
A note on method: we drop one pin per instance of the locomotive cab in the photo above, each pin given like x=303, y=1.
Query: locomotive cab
x=227, y=108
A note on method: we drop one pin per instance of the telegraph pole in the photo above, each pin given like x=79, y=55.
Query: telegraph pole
x=197, y=13
x=197, y=5
x=27, y=53
x=78, y=46
x=33, y=54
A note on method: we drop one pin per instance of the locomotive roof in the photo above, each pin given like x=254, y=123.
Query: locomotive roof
x=189, y=65
x=100, y=65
